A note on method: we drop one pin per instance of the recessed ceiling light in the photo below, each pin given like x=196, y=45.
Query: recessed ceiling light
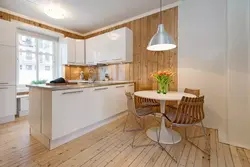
x=54, y=11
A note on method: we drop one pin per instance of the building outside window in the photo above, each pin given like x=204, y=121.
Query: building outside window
x=36, y=58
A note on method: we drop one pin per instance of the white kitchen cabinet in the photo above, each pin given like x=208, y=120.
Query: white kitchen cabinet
x=7, y=65
x=68, y=112
x=72, y=51
x=58, y=116
x=7, y=33
x=7, y=101
x=22, y=105
x=80, y=52
x=101, y=103
x=112, y=47
x=118, y=93
x=120, y=45
x=92, y=51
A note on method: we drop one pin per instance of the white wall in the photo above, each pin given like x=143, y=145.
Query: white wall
x=213, y=56
x=238, y=73
x=202, y=55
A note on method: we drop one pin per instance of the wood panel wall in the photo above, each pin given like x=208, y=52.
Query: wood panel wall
x=9, y=17
x=144, y=61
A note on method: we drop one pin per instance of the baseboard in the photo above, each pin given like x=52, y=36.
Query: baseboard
x=23, y=113
x=7, y=119
x=238, y=145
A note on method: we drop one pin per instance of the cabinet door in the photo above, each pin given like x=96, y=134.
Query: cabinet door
x=118, y=42
x=80, y=52
x=68, y=112
x=24, y=104
x=104, y=48
x=118, y=95
x=7, y=33
x=7, y=65
x=101, y=106
x=7, y=101
x=71, y=50
x=91, y=51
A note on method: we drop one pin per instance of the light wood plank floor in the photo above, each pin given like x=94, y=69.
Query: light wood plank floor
x=109, y=146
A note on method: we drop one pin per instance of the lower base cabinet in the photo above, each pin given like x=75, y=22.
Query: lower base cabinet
x=78, y=108
x=7, y=103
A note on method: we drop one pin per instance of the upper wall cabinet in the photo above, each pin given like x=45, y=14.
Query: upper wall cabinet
x=7, y=33
x=112, y=47
x=80, y=52
x=72, y=51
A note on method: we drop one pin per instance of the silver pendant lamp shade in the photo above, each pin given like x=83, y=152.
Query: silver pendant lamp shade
x=161, y=41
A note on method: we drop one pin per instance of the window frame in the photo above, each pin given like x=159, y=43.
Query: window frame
x=37, y=36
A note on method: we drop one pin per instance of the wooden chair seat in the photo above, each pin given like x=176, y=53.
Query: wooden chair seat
x=144, y=111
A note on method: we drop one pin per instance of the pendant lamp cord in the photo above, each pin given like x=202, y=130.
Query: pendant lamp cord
x=160, y=11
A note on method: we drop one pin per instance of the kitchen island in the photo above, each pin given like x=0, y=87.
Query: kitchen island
x=59, y=114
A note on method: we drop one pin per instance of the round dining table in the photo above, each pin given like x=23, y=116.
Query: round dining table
x=167, y=135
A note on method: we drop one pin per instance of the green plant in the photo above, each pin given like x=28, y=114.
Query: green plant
x=39, y=82
x=163, y=78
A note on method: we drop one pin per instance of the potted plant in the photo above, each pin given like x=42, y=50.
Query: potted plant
x=164, y=78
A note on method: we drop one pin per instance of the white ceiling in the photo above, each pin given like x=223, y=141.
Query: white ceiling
x=84, y=15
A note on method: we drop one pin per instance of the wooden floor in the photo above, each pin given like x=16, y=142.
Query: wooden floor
x=109, y=146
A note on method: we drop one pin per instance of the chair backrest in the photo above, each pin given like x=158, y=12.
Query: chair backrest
x=190, y=110
x=195, y=92
x=142, y=100
x=130, y=103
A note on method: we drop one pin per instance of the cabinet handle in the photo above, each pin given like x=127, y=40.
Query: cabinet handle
x=3, y=88
x=117, y=59
x=120, y=86
x=131, y=85
x=103, y=61
x=65, y=93
x=2, y=83
x=100, y=89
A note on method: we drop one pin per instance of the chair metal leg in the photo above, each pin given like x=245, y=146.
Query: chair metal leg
x=125, y=122
x=186, y=133
x=164, y=149
x=142, y=125
x=205, y=135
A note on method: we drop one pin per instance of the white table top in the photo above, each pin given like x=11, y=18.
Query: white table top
x=170, y=96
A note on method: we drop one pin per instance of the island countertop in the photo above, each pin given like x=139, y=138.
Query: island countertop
x=78, y=85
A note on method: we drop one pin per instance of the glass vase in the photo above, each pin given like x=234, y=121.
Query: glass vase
x=163, y=88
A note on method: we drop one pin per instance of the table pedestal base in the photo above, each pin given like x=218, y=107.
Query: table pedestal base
x=166, y=135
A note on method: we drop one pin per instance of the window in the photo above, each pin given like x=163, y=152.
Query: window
x=36, y=58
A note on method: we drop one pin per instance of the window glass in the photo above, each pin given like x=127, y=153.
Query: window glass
x=45, y=46
x=45, y=67
x=35, y=59
x=27, y=43
x=27, y=67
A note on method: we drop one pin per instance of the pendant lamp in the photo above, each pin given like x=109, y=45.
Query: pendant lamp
x=161, y=41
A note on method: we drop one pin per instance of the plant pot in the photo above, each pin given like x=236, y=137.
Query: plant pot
x=163, y=88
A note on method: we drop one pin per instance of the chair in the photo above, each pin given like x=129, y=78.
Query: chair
x=189, y=113
x=140, y=113
x=145, y=102
x=195, y=92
